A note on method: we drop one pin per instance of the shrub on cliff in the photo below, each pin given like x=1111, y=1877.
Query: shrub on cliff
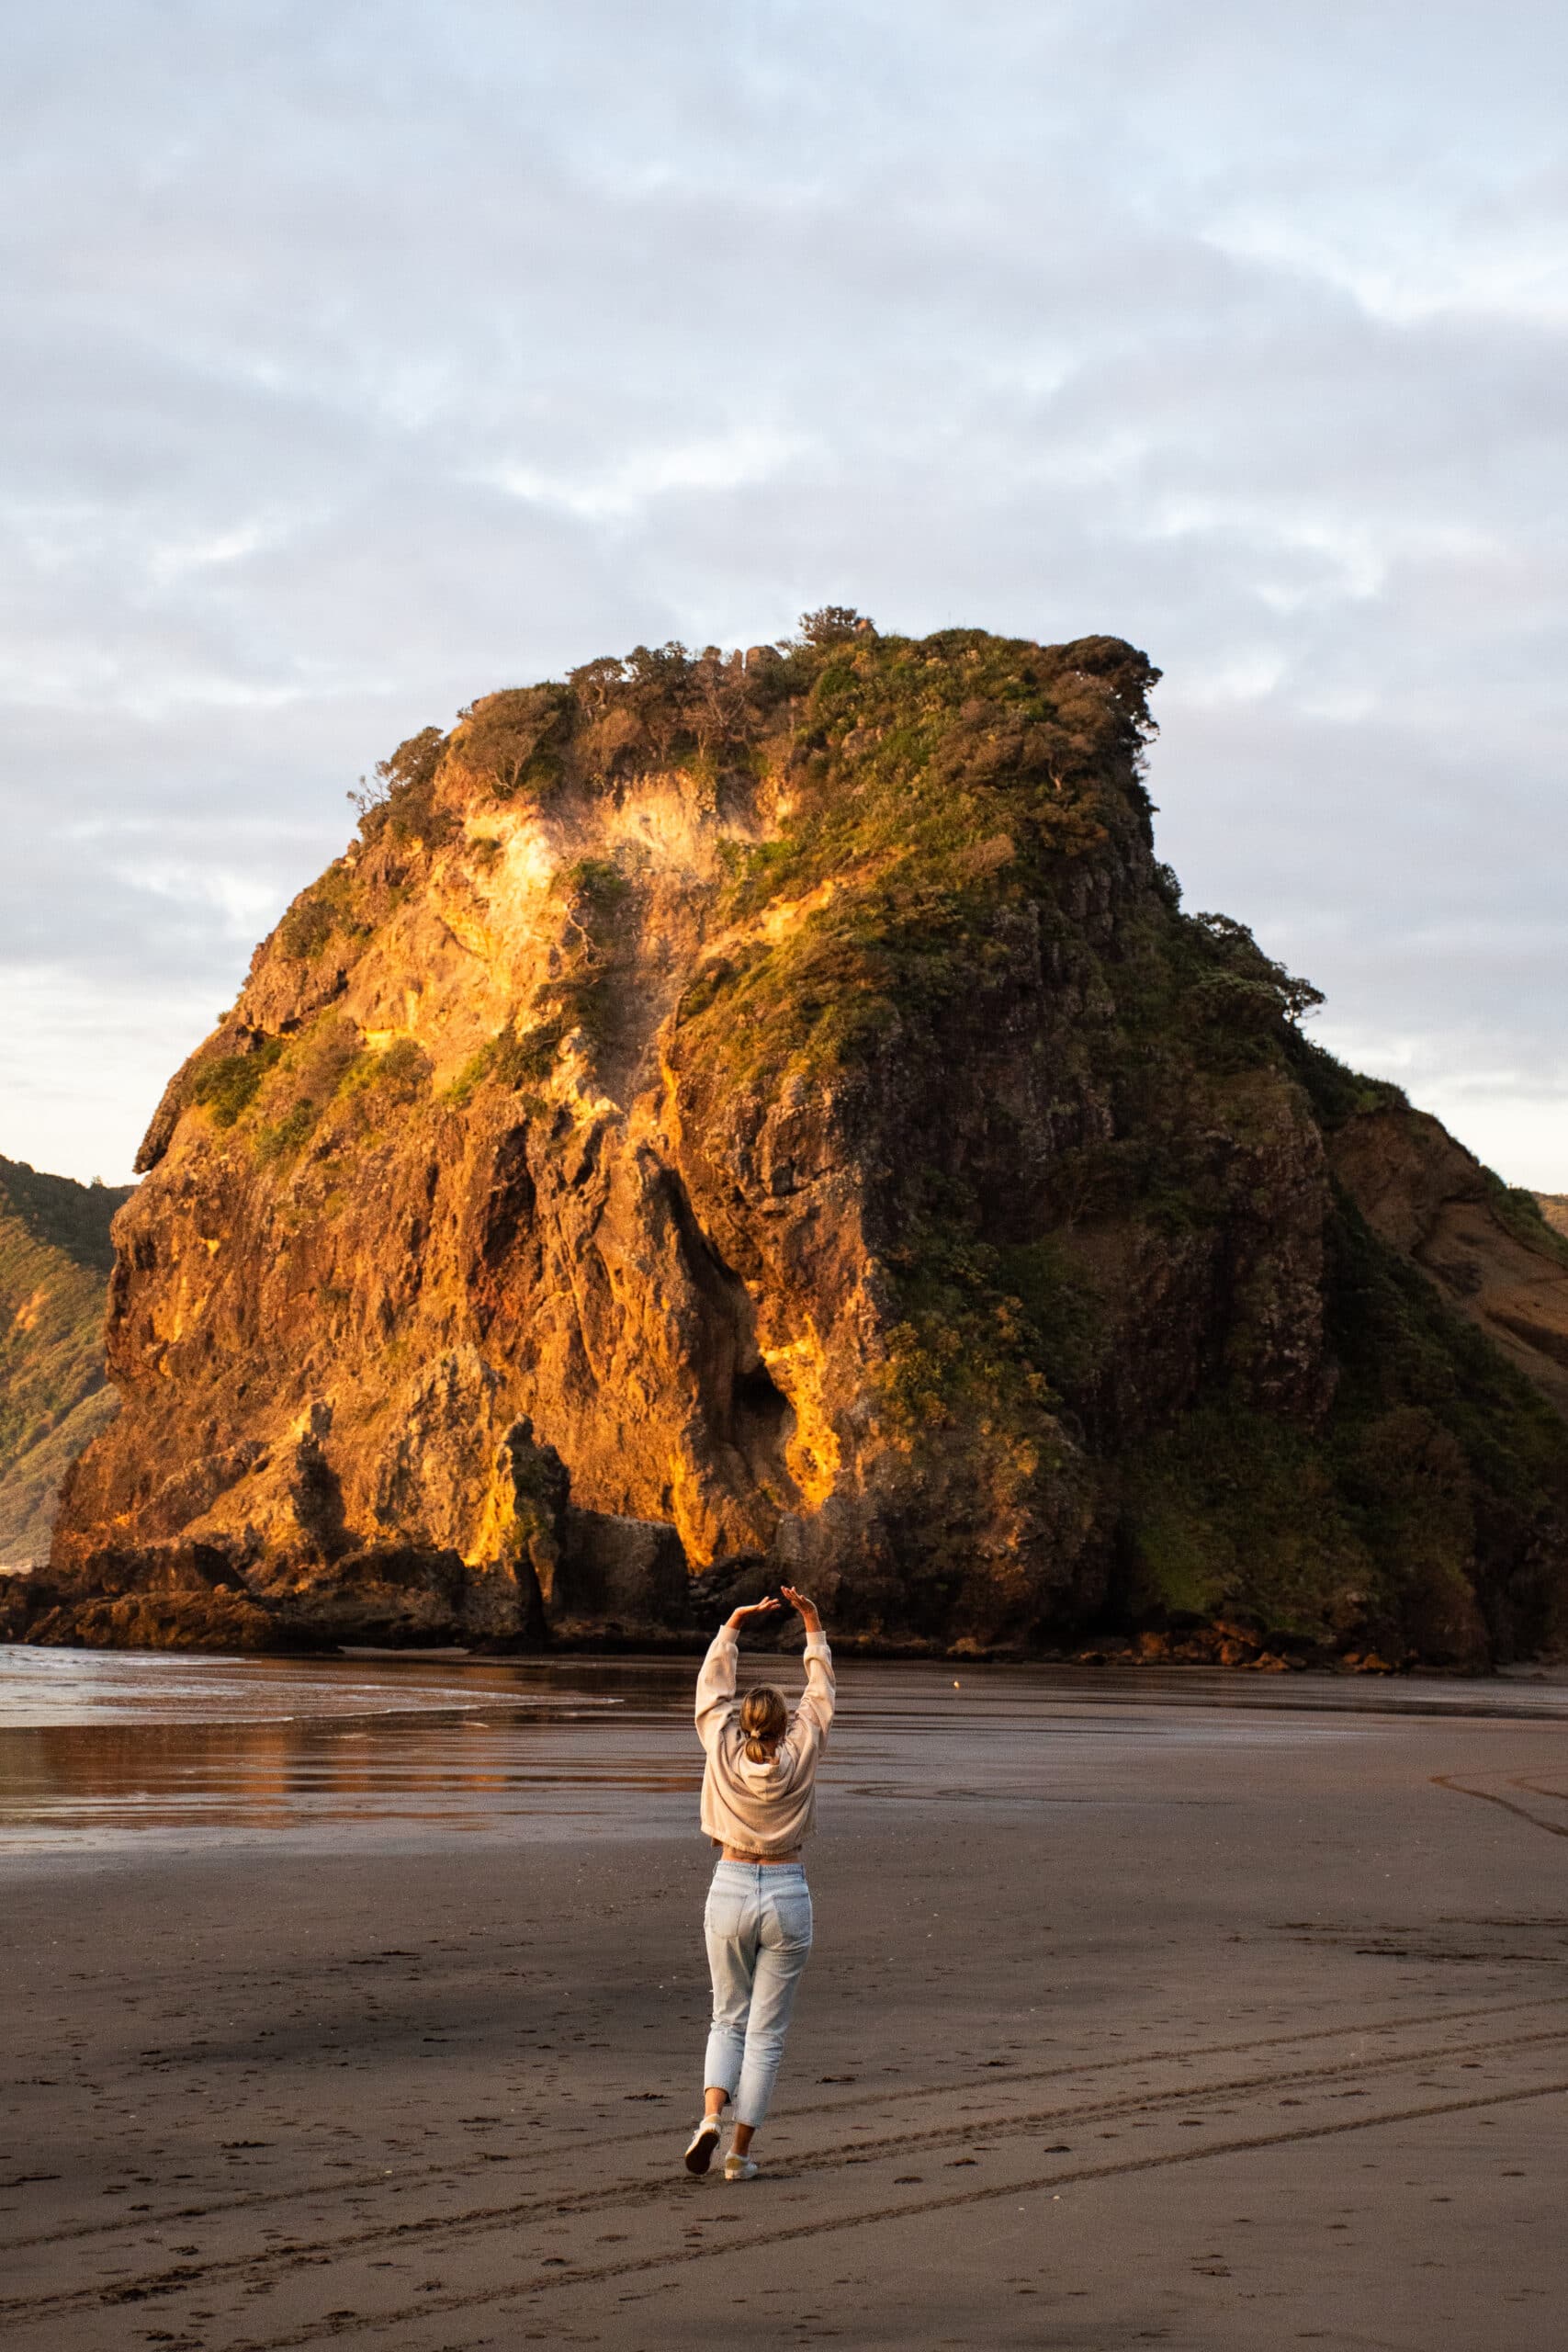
x=834, y=625
x=330, y=1069
x=507, y=739
x=227, y=1085
x=330, y=909
x=401, y=1073
x=402, y=803
x=284, y=1137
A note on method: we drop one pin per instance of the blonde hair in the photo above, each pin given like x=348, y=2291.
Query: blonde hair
x=764, y=1719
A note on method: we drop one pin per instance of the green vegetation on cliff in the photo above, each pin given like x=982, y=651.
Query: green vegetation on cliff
x=1420, y=1515
x=55, y=1257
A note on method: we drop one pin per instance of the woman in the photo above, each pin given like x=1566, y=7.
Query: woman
x=759, y=1805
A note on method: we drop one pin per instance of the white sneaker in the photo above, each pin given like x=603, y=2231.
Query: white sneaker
x=705, y=2140
x=739, y=2167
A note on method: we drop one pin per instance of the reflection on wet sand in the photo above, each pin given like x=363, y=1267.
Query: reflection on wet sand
x=445, y=1769
x=95, y=1748
x=111, y=1746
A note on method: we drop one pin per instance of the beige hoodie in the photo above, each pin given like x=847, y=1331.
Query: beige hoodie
x=762, y=1808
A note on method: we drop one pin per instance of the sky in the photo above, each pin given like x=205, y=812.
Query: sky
x=362, y=359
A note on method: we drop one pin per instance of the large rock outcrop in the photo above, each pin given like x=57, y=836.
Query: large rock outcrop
x=735, y=1116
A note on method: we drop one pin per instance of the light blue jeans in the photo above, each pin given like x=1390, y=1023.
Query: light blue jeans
x=758, y=1925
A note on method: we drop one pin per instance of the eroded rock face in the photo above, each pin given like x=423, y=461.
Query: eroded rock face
x=731, y=1117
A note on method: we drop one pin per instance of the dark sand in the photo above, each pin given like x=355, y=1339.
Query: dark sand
x=1128, y=2022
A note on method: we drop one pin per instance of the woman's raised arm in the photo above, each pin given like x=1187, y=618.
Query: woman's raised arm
x=715, y=1679
x=820, y=1693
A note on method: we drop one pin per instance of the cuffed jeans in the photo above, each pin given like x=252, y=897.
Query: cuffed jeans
x=758, y=1925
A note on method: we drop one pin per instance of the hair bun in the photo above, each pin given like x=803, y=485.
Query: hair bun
x=764, y=1719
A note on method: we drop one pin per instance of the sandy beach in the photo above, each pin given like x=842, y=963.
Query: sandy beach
x=1179, y=2013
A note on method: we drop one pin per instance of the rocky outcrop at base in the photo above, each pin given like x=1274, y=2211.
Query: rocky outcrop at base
x=558, y=1573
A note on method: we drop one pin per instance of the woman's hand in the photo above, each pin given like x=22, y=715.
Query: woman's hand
x=806, y=1609
x=758, y=1608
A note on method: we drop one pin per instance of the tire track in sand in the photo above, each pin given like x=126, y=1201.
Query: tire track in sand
x=832, y=2224
x=996, y=2128
x=433, y=2176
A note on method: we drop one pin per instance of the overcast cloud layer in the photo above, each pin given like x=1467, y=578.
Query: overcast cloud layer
x=360, y=359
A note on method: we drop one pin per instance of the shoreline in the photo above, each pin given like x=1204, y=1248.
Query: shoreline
x=1221, y=1643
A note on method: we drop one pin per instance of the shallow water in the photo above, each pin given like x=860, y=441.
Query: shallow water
x=100, y=1748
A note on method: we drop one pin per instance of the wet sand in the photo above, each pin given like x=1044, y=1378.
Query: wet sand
x=1179, y=2012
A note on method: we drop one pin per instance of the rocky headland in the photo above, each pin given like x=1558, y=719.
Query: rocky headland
x=738, y=1115
x=55, y=1257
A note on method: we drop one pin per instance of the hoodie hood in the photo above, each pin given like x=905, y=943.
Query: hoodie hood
x=765, y=1779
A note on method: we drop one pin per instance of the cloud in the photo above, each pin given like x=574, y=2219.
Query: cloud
x=363, y=359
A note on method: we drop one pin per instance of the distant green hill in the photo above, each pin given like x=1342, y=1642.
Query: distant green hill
x=55, y=1258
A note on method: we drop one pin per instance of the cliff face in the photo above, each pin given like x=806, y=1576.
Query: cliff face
x=55, y=1256
x=727, y=1116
